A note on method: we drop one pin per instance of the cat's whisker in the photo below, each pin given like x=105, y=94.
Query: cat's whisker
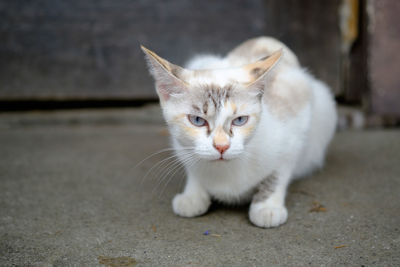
x=182, y=173
x=169, y=149
x=176, y=165
x=188, y=163
x=161, y=173
x=169, y=176
x=185, y=160
x=182, y=170
x=161, y=179
x=154, y=154
x=158, y=165
x=176, y=159
x=154, y=167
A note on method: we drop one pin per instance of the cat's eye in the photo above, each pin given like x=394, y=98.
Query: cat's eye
x=197, y=121
x=240, y=121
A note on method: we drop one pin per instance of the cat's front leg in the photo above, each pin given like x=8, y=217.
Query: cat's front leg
x=193, y=201
x=267, y=208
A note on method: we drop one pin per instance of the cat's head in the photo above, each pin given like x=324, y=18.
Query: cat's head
x=212, y=112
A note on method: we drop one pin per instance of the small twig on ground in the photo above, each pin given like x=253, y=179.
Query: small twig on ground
x=317, y=207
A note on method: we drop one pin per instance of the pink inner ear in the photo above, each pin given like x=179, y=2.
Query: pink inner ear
x=162, y=88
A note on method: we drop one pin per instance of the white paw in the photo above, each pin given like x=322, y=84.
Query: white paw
x=267, y=216
x=186, y=205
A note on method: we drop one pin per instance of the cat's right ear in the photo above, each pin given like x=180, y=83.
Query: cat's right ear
x=258, y=71
x=166, y=75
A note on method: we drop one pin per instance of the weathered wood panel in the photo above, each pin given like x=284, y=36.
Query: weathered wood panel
x=356, y=85
x=55, y=49
x=311, y=29
x=384, y=57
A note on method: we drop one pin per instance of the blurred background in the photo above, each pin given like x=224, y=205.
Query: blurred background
x=86, y=176
x=67, y=54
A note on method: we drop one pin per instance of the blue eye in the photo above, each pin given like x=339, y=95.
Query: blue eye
x=197, y=121
x=240, y=121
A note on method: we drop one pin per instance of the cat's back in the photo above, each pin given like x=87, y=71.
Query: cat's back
x=256, y=48
x=249, y=51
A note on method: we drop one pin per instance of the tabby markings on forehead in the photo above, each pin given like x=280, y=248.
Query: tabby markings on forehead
x=215, y=94
x=196, y=108
x=205, y=108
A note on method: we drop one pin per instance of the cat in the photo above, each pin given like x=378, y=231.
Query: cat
x=244, y=126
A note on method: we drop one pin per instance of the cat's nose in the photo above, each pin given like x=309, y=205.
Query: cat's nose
x=221, y=148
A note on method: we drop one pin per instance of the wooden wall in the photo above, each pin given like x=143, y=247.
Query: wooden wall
x=75, y=49
x=384, y=57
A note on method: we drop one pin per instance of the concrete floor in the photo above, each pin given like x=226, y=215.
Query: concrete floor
x=70, y=195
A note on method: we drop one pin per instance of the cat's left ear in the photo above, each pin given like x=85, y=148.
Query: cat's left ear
x=167, y=76
x=258, y=71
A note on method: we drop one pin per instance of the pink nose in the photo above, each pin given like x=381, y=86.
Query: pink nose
x=221, y=148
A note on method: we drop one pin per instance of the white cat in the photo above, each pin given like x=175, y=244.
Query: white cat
x=244, y=126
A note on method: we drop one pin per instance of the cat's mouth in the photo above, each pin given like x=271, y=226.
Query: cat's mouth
x=221, y=158
x=218, y=158
x=225, y=158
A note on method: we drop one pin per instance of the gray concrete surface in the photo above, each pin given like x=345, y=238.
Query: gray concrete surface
x=70, y=195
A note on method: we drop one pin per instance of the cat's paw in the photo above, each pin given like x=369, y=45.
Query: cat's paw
x=186, y=205
x=266, y=216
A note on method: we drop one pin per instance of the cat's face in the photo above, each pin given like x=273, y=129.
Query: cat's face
x=215, y=122
x=211, y=113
